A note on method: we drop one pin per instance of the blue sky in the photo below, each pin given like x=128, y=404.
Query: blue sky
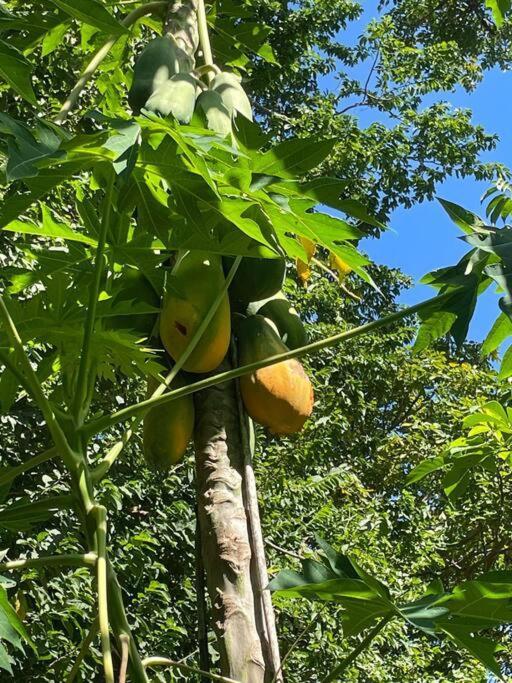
x=423, y=238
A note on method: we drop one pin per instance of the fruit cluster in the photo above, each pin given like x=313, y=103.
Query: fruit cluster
x=254, y=309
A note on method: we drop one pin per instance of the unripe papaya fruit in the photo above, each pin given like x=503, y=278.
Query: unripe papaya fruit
x=154, y=66
x=168, y=429
x=280, y=396
x=133, y=286
x=196, y=280
x=215, y=115
x=229, y=87
x=287, y=320
x=256, y=278
x=177, y=96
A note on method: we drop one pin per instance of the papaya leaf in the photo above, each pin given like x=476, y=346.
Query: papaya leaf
x=467, y=221
x=49, y=228
x=482, y=649
x=91, y=12
x=500, y=332
x=22, y=515
x=499, y=9
x=46, y=180
x=16, y=71
x=27, y=149
x=292, y=157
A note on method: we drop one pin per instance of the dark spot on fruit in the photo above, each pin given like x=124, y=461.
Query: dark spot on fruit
x=181, y=328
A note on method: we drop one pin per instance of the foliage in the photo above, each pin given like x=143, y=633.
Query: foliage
x=83, y=201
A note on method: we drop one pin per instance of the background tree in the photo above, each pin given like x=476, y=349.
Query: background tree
x=143, y=531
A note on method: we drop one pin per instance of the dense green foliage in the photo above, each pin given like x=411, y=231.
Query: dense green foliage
x=380, y=409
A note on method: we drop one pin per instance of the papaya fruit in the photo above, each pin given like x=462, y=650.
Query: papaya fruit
x=280, y=396
x=133, y=286
x=168, y=429
x=287, y=321
x=229, y=87
x=177, y=96
x=157, y=62
x=256, y=278
x=214, y=114
x=196, y=280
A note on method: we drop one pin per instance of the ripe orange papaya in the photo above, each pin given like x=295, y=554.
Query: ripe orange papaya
x=256, y=278
x=195, y=282
x=168, y=429
x=280, y=396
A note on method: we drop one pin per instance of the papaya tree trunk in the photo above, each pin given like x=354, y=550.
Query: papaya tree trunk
x=226, y=547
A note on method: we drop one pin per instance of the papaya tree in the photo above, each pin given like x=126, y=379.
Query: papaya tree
x=178, y=205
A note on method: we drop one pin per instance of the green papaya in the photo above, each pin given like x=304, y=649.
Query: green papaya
x=256, y=278
x=168, y=429
x=279, y=396
x=196, y=280
x=215, y=115
x=229, y=87
x=177, y=96
x=132, y=286
x=287, y=320
x=154, y=66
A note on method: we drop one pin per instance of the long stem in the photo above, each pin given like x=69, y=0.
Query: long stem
x=87, y=560
x=103, y=423
x=129, y=20
x=101, y=571
x=104, y=466
x=36, y=389
x=121, y=627
x=5, y=359
x=14, y=472
x=163, y=661
x=343, y=666
x=204, y=38
x=82, y=386
x=84, y=650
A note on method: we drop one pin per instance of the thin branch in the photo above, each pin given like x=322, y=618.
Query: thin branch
x=82, y=385
x=129, y=20
x=101, y=573
x=283, y=550
x=10, y=364
x=103, y=423
x=342, y=667
x=14, y=472
x=104, y=466
x=87, y=560
x=84, y=651
x=163, y=661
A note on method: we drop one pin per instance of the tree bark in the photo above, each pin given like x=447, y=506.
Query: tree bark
x=226, y=547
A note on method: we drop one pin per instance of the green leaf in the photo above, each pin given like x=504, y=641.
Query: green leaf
x=466, y=220
x=293, y=157
x=482, y=649
x=53, y=38
x=425, y=468
x=91, y=12
x=16, y=71
x=49, y=228
x=21, y=516
x=506, y=365
x=499, y=9
x=500, y=332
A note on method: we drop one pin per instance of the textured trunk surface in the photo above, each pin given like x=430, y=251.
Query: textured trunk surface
x=226, y=547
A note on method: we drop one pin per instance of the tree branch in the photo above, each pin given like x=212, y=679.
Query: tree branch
x=163, y=661
x=87, y=560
